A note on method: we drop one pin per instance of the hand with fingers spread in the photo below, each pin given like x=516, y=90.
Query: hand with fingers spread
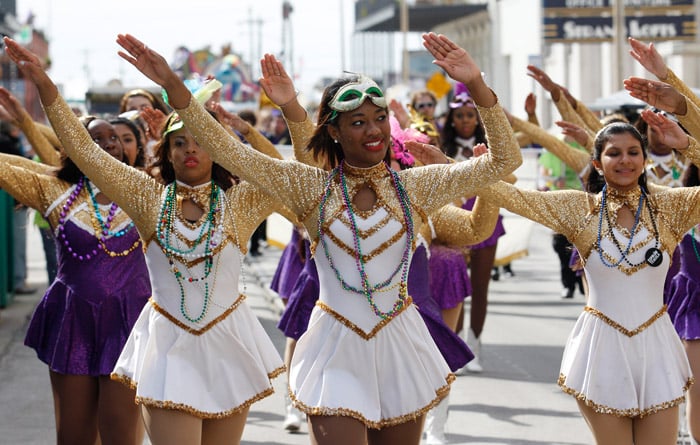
x=657, y=94
x=400, y=113
x=426, y=153
x=233, y=120
x=649, y=58
x=543, y=79
x=279, y=87
x=155, y=121
x=460, y=66
x=32, y=69
x=155, y=67
x=669, y=132
x=575, y=132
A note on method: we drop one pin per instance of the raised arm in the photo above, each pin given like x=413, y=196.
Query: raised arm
x=667, y=98
x=297, y=185
x=671, y=134
x=136, y=192
x=34, y=189
x=42, y=147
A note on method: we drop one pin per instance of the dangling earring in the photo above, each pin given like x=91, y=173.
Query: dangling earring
x=335, y=140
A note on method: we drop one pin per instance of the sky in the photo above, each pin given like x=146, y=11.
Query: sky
x=82, y=34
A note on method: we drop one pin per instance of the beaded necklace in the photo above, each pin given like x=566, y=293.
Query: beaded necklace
x=102, y=227
x=403, y=266
x=165, y=232
x=695, y=244
x=652, y=256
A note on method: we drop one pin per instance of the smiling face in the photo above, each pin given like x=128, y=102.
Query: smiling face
x=364, y=134
x=191, y=164
x=622, y=161
x=104, y=135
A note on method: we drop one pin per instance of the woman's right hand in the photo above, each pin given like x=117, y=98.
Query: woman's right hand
x=657, y=94
x=277, y=84
x=155, y=67
x=32, y=69
x=649, y=58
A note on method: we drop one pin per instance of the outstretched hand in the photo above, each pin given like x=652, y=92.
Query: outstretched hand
x=426, y=153
x=233, y=120
x=530, y=104
x=10, y=108
x=155, y=67
x=575, y=132
x=657, y=94
x=479, y=149
x=277, y=84
x=649, y=58
x=155, y=121
x=668, y=132
x=32, y=69
x=542, y=78
x=456, y=61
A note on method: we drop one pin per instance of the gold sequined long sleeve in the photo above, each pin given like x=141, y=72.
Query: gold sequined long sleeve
x=589, y=118
x=433, y=186
x=568, y=113
x=297, y=185
x=133, y=190
x=562, y=210
x=32, y=188
x=49, y=134
x=455, y=226
x=673, y=80
x=577, y=160
x=301, y=135
x=27, y=164
x=259, y=142
x=692, y=153
x=41, y=145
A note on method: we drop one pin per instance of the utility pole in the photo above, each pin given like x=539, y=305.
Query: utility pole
x=404, y=35
x=287, y=37
x=618, y=43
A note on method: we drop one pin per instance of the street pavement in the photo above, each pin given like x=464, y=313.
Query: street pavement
x=514, y=401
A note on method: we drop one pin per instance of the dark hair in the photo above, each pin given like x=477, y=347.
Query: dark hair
x=162, y=169
x=321, y=143
x=596, y=181
x=449, y=134
x=249, y=116
x=68, y=171
x=140, y=161
x=691, y=178
x=155, y=101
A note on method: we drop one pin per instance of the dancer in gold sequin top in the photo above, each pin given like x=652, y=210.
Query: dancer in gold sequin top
x=366, y=367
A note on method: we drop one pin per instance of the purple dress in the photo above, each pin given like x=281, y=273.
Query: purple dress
x=82, y=322
x=449, y=278
x=683, y=298
x=303, y=298
x=498, y=231
x=290, y=265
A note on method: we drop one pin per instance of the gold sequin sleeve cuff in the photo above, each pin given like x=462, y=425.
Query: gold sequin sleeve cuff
x=41, y=145
x=681, y=86
x=455, y=226
x=299, y=186
x=136, y=192
x=562, y=211
x=577, y=160
x=591, y=120
x=691, y=123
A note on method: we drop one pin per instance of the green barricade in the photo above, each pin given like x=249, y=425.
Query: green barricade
x=6, y=249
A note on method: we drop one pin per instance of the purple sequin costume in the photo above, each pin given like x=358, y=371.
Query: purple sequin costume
x=683, y=298
x=301, y=302
x=86, y=315
x=449, y=278
x=290, y=265
x=498, y=231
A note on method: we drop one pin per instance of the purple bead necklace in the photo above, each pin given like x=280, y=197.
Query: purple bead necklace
x=403, y=266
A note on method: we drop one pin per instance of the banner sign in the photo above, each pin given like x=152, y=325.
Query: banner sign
x=600, y=29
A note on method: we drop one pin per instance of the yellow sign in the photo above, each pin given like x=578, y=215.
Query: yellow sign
x=438, y=85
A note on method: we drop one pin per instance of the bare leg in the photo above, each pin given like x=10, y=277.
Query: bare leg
x=607, y=429
x=224, y=431
x=657, y=429
x=168, y=426
x=407, y=433
x=336, y=430
x=480, y=265
x=692, y=348
x=451, y=316
x=75, y=404
x=118, y=415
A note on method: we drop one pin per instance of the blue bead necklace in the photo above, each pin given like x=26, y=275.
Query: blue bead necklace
x=655, y=261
